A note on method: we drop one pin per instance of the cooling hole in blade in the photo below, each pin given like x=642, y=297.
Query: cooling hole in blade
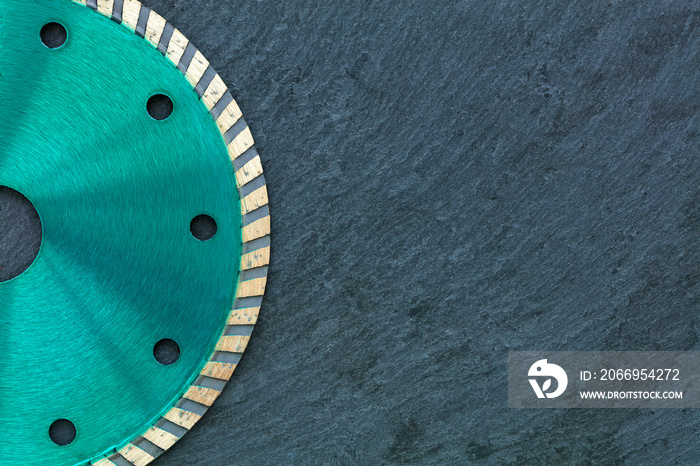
x=166, y=351
x=160, y=107
x=62, y=432
x=203, y=227
x=53, y=35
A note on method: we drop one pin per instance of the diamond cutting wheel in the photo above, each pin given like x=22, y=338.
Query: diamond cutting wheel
x=154, y=232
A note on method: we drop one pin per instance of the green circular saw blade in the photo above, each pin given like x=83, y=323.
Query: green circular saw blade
x=119, y=269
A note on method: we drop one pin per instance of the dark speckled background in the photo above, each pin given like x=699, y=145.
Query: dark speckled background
x=450, y=181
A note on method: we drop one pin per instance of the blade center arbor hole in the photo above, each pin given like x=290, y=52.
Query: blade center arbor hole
x=20, y=233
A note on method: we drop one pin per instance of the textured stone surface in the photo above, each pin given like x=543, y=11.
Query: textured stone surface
x=451, y=181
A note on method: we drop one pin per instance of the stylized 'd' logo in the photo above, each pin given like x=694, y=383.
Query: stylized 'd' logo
x=542, y=369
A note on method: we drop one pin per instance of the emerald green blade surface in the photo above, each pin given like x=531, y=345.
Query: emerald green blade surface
x=118, y=269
